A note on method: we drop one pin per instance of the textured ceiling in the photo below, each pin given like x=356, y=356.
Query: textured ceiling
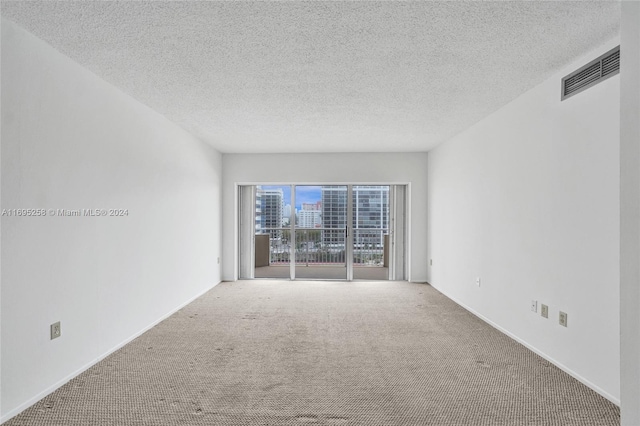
x=321, y=76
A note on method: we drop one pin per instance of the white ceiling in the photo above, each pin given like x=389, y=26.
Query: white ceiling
x=322, y=76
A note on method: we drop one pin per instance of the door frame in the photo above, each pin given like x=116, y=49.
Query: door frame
x=407, y=223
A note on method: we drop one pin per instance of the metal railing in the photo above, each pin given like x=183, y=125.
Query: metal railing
x=368, y=247
x=320, y=246
x=279, y=245
x=326, y=246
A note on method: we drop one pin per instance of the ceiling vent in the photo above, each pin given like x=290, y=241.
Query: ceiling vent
x=591, y=74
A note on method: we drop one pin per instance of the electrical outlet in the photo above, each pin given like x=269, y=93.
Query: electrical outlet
x=478, y=281
x=544, y=311
x=218, y=261
x=534, y=306
x=430, y=262
x=56, y=331
x=563, y=319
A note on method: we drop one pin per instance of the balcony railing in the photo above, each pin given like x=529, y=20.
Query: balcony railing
x=368, y=246
x=326, y=246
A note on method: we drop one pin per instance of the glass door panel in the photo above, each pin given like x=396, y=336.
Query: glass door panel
x=320, y=231
x=370, y=205
x=272, y=232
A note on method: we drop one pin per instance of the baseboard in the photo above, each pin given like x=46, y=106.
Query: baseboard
x=532, y=348
x=85, y=367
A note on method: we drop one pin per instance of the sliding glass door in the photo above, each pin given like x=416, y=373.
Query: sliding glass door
x=370, y=232
x=341, y=232
x=321, y=232
x=272, y=235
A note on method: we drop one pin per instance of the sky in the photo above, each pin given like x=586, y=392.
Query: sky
x=304, y=194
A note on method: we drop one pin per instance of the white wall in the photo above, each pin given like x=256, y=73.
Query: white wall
x=528, y=200
x=327, y=168
x=630, y=214
x=72, y=141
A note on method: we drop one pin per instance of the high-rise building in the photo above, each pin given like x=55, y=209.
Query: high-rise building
x=311, y=215
x=286, y=215
x=258, y=215
x=312, y=206
x=334, y=215
x=370, y=211
x=371, y=216
x=271, y=203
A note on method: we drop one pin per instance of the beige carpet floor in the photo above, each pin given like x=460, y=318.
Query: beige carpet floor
x=325, y=353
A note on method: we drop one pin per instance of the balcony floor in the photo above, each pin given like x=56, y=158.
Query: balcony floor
x=323, y=272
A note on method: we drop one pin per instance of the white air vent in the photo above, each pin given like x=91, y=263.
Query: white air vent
x=591, y=74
